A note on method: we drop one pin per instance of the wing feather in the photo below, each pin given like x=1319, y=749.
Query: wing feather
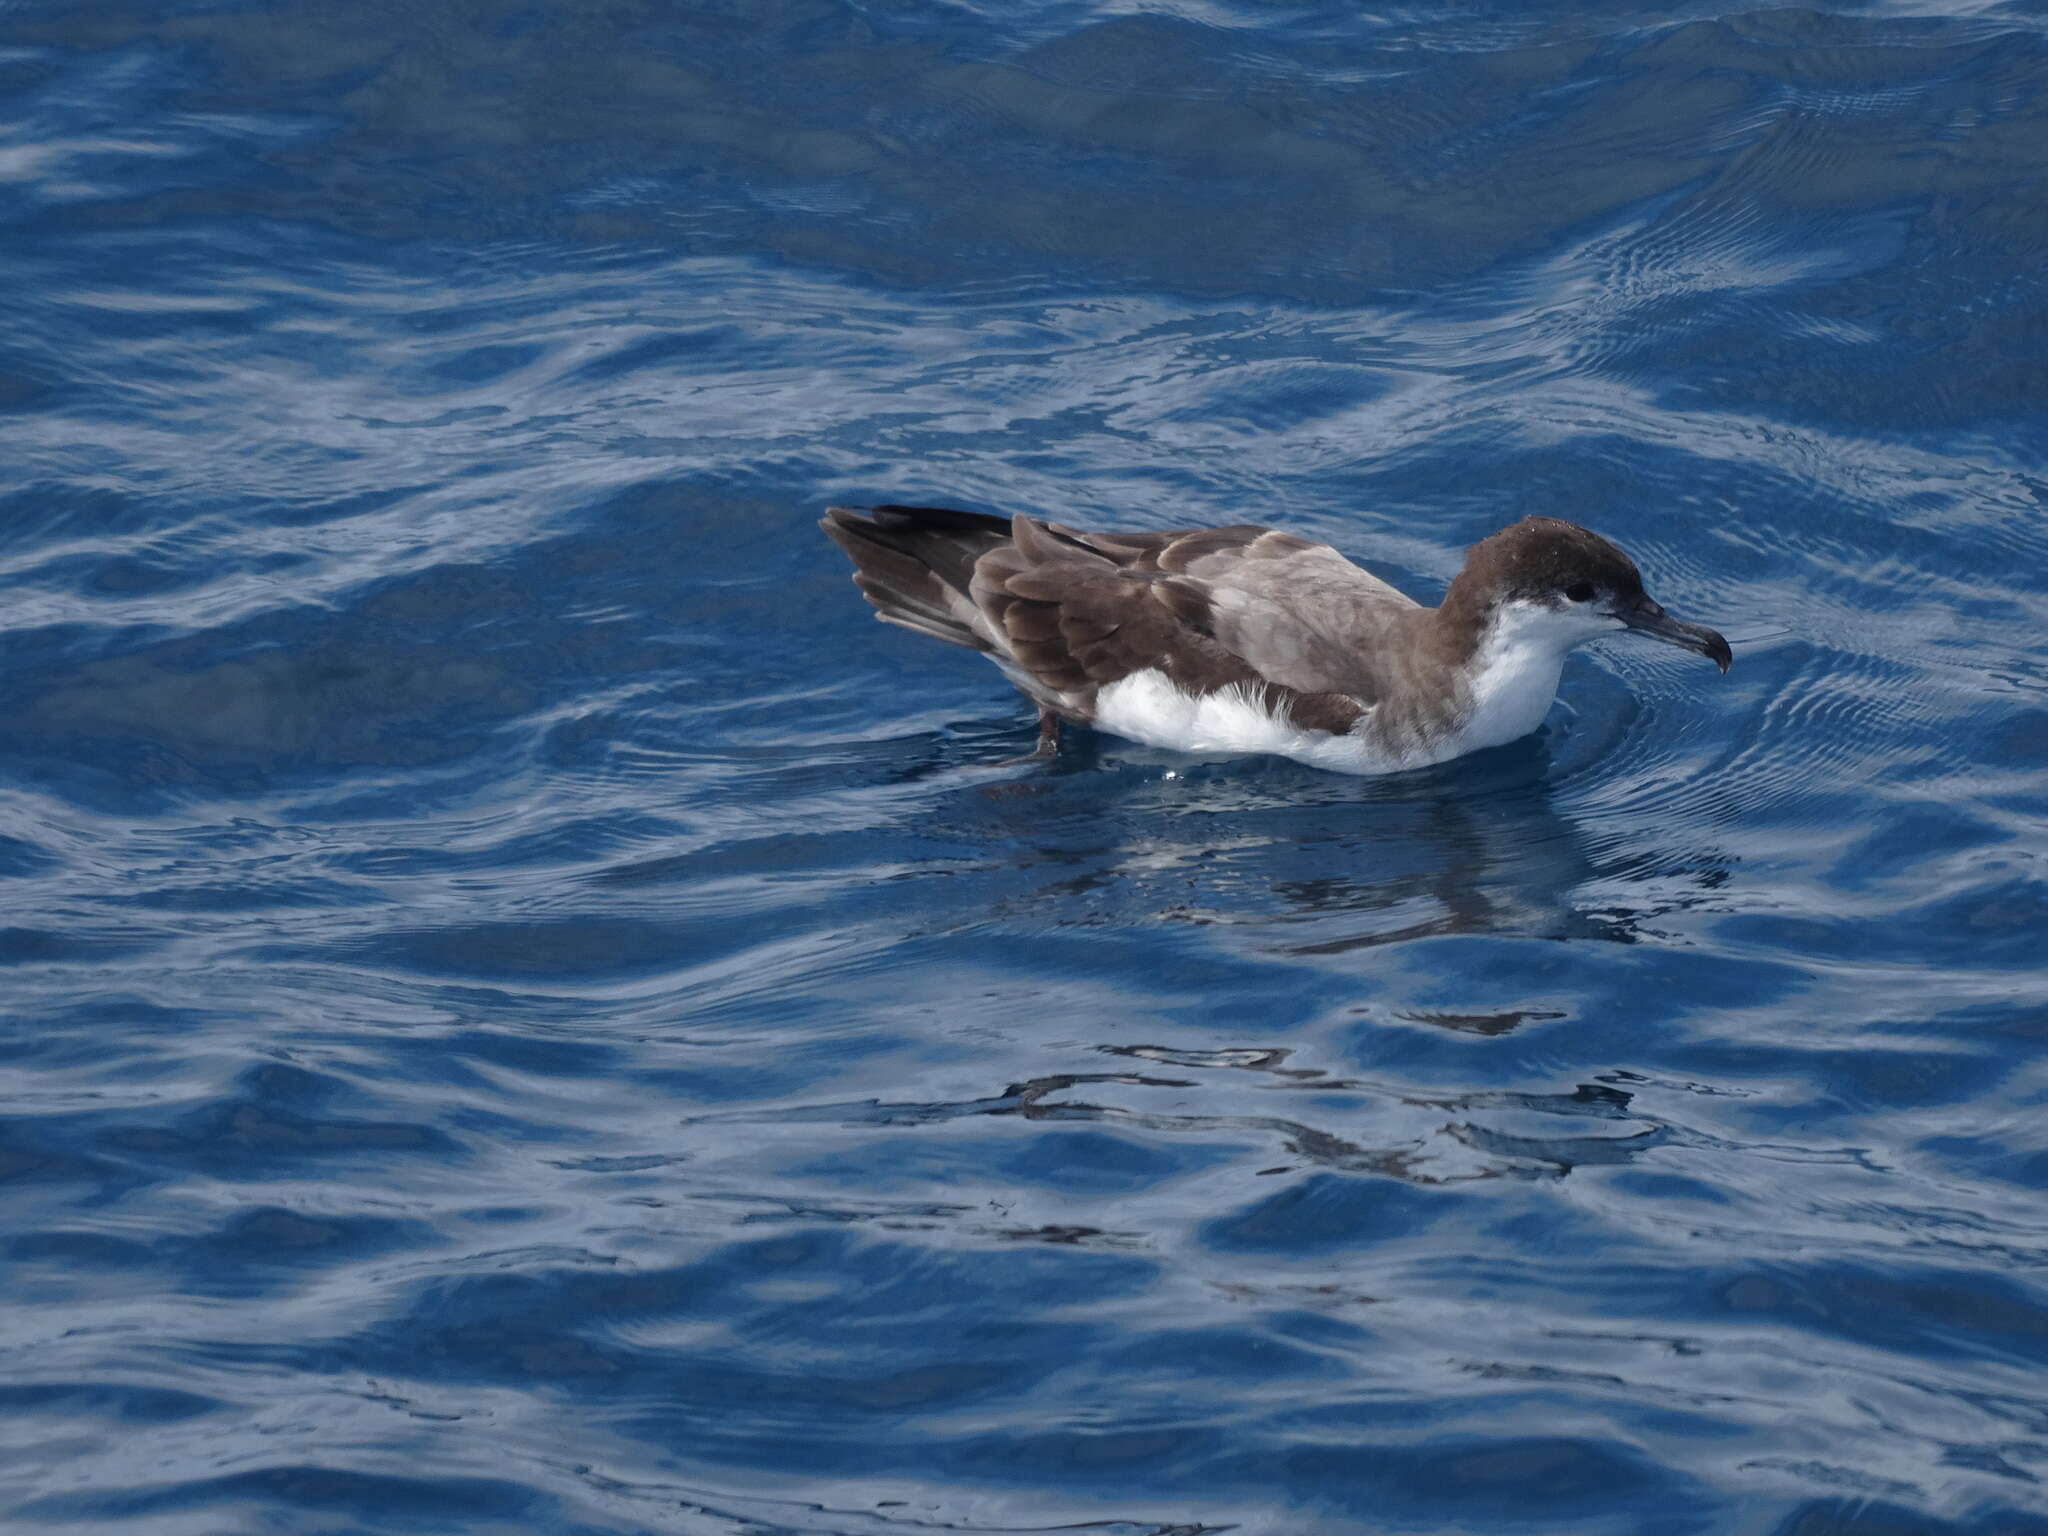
x=1295, y=611
x=1076, y=613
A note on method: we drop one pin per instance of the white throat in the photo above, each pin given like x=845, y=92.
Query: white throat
x=1512, y=677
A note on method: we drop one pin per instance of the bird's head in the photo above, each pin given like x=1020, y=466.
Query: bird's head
x=1557, y=585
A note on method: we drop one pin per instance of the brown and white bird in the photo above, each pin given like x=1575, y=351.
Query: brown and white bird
x=1245, y=639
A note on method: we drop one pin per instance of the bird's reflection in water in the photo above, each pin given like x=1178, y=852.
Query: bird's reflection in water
x=1283, y=864
x=1312, y=872
x=1311, y=865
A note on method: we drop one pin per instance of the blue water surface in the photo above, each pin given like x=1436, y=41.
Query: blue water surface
x=526, y=1011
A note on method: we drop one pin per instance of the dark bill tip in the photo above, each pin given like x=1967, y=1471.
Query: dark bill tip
x=1649, y=619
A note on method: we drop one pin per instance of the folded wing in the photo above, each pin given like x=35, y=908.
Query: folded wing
x=1066, y=614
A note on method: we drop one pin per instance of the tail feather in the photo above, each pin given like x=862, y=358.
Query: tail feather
x=914, y=564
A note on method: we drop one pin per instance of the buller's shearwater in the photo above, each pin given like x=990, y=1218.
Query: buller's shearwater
x=1246, y=639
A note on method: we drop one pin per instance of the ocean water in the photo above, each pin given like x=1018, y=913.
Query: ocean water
x=525, y=1011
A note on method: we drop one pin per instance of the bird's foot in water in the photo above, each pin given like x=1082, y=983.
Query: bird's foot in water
x=1048, y=746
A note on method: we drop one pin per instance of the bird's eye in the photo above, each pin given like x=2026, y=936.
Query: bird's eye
x=1580, y=592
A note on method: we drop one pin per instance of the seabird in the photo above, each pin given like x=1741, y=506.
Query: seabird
x=1246, y=639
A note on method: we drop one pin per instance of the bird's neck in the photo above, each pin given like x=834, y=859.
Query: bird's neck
x=1508, y=678
x=1461, y=622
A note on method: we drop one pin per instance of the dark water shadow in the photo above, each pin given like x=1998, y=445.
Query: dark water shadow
x=1315, y=866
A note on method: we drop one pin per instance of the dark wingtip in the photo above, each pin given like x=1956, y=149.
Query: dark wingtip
x=849, y=528
x=890, y=514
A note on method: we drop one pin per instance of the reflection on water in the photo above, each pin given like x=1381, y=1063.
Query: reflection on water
x=1462, y=1148
x=1488, y=847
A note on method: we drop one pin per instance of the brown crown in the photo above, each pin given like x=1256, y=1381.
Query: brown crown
x=1540, y=557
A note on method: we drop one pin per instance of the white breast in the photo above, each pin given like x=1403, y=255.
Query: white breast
x=1147, y=707
x=1500, y=695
